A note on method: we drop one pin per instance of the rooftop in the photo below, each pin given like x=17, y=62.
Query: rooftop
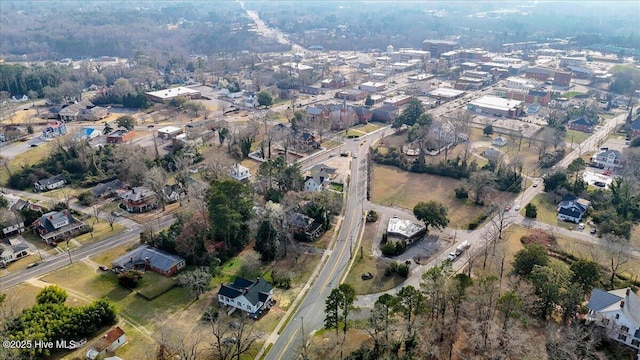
x=495, y=102
x=405, y=228
x=173, y=92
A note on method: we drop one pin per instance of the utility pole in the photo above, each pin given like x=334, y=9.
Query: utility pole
x=69, y=252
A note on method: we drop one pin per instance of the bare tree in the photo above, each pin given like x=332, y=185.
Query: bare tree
x=618, y=256
x=96, y=212
x=111, y=219
x=232, y=337
x=197, y=281
x=179, y=343
x=480, y=181
x=156, y=180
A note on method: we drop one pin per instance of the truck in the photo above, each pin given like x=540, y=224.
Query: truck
x=459, y=250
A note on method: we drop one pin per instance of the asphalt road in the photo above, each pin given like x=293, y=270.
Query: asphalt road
x=311, y=309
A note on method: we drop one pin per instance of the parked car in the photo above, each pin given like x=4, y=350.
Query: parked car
x=103, y=268
x=593, y=231
x=367, y=276
x=581, y=226
x=535, y=184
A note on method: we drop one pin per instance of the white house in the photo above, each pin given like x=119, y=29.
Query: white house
x=608, y=160
x=619, y=312
x=252, y=297
x=572, y=209
x=10, y=253
x=239, y=172
x=317, y=177
x=51, y=183
x=110, y=341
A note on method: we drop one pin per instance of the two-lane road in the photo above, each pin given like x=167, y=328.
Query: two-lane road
x=311, y=309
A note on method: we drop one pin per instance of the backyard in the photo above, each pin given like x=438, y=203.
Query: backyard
x=547, y=211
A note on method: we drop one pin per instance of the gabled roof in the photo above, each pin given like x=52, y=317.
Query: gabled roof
x=603, y=301
x=47, y=220
x=138, y=193
x=106, y=187
x=253, y=291
x=571, y=206
x=51, y=180
x=582, y=120
x=635, y=125
x=605, y=154
x=109, y=338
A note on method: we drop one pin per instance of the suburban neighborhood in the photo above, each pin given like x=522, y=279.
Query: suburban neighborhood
x=255, y=181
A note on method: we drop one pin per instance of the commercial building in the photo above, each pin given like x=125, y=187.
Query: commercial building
x=496, y=106
x=405, y=229
x=372, y=87
x=437, y=47
x=166, y=95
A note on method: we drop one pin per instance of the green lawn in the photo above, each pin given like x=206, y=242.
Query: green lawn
x=547, y=211
x=352, y=133
x=31, y=157
x=367, y=128
x=330, y=144
x=576, y=137
x=153, y=285
x=571, y=94
x=336, y=187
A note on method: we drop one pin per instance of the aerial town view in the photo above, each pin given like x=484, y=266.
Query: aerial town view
x=352, y=180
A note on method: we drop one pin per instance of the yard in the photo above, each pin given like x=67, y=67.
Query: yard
x=392, y=186
x=27, y=158
x=365, y=262
x=575, y=137
x=547, y=211
x=370, y=127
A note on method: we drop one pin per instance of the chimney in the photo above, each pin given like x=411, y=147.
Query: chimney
x=628, y=291
x=621, y=304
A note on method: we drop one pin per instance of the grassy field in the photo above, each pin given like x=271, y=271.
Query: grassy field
x=366, y=261
x=101, y=231
x=367, y=128
x=547, y=211
x=575, y=136
x=571, y=94
x=353, y=133
x=391, y=185
x=330, y=144
x=31, y=157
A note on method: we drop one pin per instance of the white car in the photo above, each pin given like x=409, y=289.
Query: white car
x=517, y=207
x=581, y=226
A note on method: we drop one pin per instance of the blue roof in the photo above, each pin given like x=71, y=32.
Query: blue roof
x=601, y=299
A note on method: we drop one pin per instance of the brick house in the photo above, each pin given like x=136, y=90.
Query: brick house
x=582, y=124
x=120, y=136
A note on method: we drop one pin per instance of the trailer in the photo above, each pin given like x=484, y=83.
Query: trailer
x=459, y=250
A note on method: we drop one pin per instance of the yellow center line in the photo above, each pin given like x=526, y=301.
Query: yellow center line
x=286, y=346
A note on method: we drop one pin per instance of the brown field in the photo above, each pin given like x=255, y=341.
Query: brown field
x=370, y=263
x=392, y=186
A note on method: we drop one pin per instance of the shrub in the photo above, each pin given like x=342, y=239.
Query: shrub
x=130, y=278
x=461, y=192
x=385, y=238
x=403, y=270
x=531, y=211
x=86, y=198
x=389, y=249
x=391, y=269
x=372, y=216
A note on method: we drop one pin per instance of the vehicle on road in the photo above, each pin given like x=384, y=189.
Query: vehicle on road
x=535, y=184
x=33, y=265
x=459, y=250
x=507, y=208
x=332, y=154
x=517, y=207
x=355, y=156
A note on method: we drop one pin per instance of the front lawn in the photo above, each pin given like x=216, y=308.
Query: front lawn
x=576, y=137
x=336, y=187
x=548, y=211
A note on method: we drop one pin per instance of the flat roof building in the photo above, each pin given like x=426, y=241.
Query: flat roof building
x=404, y=228
x=446, y=93
x=167, y=95
x=496, y=106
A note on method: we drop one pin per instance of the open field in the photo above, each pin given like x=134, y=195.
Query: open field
x=27, y=158
x=392, y=186
x=365, y=262
x=598, y=254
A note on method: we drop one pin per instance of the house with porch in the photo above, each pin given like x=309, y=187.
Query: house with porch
x=11, y=222
x=318, y=177
x=618, y=311
x=50, y=183
x=572, y=209
x=149, y=258
x=56, y=226
x=12, y=251
x=138, y=200
x=252, y=297
x=608, y=160
x=107, y=189
x=303, y=142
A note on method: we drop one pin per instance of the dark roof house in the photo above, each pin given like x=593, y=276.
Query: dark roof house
x=252, y=297
x=106, y=189
x=146, y=257
x=572, y=209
